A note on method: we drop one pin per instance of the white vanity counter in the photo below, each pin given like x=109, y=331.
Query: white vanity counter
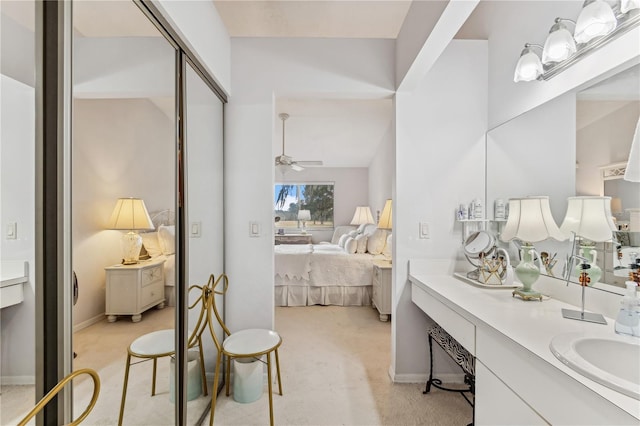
x=13, y=275
x=511, y=337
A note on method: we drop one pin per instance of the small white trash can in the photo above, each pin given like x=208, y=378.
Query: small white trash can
x=247, y=379
x=194, y=377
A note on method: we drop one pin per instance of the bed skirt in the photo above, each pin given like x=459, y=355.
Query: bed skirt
x=330, y=295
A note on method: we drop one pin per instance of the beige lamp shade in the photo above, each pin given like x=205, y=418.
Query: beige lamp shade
x=589, y=218
x=362, y=216
x=616, y=205
x=386, y=218
x=530, y=220
x=304, y=215
x=130, y=214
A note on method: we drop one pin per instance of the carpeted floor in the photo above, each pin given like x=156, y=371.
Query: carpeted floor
x=334, y=363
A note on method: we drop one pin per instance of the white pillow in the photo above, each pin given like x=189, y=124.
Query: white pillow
x=342, y=240
x=376, y=242
x=361, y=228
x=350, y=245
x=369, y=229
x=362, y=244
x=151, y=243
x=388, y=247
x=353, y=233
x=167, y=239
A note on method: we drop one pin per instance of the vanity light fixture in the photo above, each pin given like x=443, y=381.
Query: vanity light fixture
x=529, y=221
x=529, y=67
x=597, y=25
x=596, y=19
x=559, y=44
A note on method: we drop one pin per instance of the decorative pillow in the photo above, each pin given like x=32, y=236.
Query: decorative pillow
x=376, y=242
x=353, y=233
x=388, y=247
x=342, y=240
x=350, y=245
x=151, y=243
x=362, y=244
x=369, y=229
x=361, y=228
x=167, y=239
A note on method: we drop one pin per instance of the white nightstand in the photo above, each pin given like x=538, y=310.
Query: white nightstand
x=132, y=289
x=382, y=288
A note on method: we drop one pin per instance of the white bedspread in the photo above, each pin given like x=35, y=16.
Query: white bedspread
x=293, y=261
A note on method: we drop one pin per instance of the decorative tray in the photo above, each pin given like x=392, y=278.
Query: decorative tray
x=463, y=276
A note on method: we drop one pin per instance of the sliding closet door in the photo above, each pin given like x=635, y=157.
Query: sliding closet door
x=204, y=202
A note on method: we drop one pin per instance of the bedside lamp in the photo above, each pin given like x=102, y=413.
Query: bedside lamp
x=362, y=216
x=130, y=214
x=530, y=221
x=304, y=215
x=386, y=218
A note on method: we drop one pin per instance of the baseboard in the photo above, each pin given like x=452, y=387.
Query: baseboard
x=89, y=322
x=17, y=380
x=422, y=378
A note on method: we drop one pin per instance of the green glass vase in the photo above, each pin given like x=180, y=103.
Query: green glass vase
x=594, y=272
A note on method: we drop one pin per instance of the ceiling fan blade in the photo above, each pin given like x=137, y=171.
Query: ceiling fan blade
x=310, y=163
x=296, y=167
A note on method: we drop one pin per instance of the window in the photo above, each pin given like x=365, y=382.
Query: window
x=289, y=199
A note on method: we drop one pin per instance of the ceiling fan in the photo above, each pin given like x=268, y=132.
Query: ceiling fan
x=284, y=161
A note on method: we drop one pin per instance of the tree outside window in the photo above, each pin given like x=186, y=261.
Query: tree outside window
x=315, y=197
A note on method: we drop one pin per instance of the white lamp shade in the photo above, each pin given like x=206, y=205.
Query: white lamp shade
x=528, y=67
x=130, y=214
x=386, y=218
x=627, y=5
x=362, y=216
x=559, y=45
x=530, y=220
x=596, y=19
x=589, y=218
x=632, y=172
x=304, y=215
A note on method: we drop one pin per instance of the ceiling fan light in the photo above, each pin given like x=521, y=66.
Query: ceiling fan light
x=596, y=19
x=559, y=45
x=627, y=5
x=528, y=67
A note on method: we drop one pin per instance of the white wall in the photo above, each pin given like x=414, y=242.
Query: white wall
x=17, y=180
x=263, y=69
x=350, y=190
x=382, y=173
x=201, y=27
x=440, y=131
x=121, y=148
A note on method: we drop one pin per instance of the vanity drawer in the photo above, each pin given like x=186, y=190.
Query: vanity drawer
x=454, y=324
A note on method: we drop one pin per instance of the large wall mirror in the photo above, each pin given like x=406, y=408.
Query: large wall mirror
x=575, y=144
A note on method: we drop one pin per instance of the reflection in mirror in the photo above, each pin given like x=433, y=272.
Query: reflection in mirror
x=17, y=201
x=559, y=149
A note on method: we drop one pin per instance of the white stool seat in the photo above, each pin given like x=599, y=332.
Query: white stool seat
x=154, y=344
x=251, y=341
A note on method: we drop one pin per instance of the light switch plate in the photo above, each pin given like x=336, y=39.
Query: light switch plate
x=195, y=230
x=12, y=231
x=424, y=230
x=254, y=229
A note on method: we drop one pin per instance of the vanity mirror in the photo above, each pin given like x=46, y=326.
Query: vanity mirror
x=563, y=148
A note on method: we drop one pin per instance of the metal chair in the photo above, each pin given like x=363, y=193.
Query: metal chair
x=159, y=344
x=249, y=343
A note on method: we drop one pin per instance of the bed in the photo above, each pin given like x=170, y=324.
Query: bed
x=160, y=244
x=330, y=274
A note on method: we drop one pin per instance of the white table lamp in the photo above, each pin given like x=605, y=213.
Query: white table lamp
x=529, y=221
x=130, y=214
x=362, y=216
x=304, y=215
x=386, y=218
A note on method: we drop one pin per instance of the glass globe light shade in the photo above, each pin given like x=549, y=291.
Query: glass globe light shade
x=596, y=19
x=528, y=67
x=559, y=44
x=627, y=5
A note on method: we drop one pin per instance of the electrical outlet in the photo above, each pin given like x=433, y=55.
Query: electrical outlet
x=424, y=230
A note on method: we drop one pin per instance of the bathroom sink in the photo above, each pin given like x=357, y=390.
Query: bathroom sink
x=611, y=359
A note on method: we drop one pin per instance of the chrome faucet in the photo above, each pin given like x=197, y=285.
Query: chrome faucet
x=581, y=315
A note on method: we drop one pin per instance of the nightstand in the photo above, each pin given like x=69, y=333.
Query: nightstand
x=292, y=239
x=132, y=289
x=382, y=288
